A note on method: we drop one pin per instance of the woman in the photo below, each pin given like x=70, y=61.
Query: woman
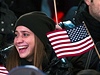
x=31, y=46
x=30, y=40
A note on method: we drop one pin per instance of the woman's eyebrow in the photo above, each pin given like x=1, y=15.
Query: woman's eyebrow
x=21, y=31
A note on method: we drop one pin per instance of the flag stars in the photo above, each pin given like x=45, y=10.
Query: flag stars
x=76, y=43
x=77, y=33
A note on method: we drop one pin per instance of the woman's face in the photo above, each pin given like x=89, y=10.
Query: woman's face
x=24, y=42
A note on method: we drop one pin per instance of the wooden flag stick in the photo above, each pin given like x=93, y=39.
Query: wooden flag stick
x=55, y=12
x=97, y=51
x=93, y=42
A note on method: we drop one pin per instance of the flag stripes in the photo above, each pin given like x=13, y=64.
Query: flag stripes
x=3, y=70
x=64, y=46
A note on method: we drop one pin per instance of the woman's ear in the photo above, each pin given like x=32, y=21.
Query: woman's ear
x=88, y=2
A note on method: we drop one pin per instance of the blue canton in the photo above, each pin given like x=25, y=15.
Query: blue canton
x=77, y=33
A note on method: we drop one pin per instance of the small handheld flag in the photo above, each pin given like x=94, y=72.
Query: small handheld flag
x=71, y=42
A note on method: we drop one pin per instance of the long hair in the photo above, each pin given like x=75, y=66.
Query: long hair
x=39, y=54
x=12, y=59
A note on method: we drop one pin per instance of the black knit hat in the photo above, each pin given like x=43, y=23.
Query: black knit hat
x=38, y=22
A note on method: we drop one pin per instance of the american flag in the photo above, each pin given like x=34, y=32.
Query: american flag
x=3, y=70
x=70, y=42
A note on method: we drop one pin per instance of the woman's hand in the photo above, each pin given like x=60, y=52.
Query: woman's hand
x=58, y=27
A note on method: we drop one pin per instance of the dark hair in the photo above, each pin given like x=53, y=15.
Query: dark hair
x=88, y=72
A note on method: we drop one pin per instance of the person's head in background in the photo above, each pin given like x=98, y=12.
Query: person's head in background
x=94, y=8
x=30, y=40
x=88, y=72
x=26, y=70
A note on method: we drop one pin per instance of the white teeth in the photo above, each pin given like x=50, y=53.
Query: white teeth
x=21, y=47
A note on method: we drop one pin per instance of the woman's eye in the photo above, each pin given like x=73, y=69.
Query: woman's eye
x=15, y=35
x=26, y=34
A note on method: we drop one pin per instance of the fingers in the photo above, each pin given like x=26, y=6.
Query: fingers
x=58, y=27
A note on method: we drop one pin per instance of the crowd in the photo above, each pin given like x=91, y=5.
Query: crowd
x=26, y=33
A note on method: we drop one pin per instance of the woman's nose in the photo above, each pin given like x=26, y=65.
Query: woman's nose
x=19, y=40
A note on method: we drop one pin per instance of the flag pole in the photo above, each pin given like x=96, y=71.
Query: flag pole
x=55, y=12
x=93, y=41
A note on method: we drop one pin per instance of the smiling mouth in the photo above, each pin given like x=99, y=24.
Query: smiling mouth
x=22, y=49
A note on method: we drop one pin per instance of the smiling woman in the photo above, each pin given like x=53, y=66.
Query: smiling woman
x=24, y=42
x=30, y=42
x=32, y=47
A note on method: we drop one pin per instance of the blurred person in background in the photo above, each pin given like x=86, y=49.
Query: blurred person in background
x=88, y=12
x=88, y=72
x=7, y=21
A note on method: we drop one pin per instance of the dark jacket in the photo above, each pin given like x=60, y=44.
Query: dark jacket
x=55, y=66
x=7, y=20
x=90, y=59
